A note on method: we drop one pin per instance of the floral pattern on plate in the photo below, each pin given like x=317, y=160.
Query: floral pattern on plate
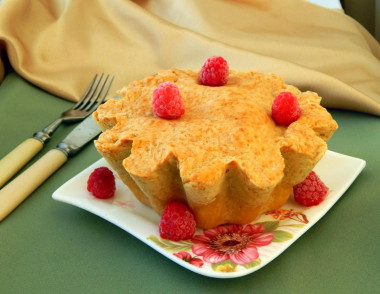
x=228, y=251
x=228, y=248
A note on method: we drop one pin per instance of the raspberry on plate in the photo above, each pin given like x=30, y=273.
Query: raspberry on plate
x=214, y=72
x=177, y=222
x=101, y=183
x=285, y=109
x=310, y=191
x=167, y=101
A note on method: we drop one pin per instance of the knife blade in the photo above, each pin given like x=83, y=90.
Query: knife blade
x=80, y=136
x=22, y=186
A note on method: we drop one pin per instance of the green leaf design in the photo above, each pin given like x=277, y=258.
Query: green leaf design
x=269, y=226
x=254, y=263
x=224, y=266
x=281, y=236
x=171, y=246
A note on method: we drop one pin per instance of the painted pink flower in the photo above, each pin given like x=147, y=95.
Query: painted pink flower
x=196, y=261
x=186, y=256
x=183, y=255
x=235, y=242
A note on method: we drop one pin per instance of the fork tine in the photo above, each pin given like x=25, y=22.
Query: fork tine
x=103, y=96
x=86, y=93
x=96, y=95
x=90, y=94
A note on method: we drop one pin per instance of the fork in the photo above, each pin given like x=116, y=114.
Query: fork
x=26, y=150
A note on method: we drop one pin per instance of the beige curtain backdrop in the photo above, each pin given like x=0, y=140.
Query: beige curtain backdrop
x=59, y=45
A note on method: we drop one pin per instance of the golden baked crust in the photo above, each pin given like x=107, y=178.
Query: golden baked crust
x=225, y=156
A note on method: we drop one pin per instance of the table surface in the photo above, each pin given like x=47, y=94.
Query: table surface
x=51, y=247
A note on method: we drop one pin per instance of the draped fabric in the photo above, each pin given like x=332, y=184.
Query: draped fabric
x=59, y=45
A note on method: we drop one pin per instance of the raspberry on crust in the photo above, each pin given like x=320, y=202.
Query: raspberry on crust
x=167, y=101
x=285, y=109
x=214, y=72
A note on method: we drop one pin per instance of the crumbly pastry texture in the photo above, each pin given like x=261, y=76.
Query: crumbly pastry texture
x=225, y=157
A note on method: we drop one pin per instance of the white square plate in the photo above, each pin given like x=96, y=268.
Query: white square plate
x=273, y=232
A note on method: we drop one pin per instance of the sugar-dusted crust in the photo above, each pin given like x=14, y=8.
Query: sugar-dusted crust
x=225, y=156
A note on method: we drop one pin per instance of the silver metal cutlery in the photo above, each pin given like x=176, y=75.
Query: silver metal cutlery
x=25, y=151
x=17, y=190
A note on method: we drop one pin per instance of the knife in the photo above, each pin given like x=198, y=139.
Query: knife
x=22, y=186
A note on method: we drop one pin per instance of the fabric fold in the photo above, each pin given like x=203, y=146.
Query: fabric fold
x=59, y=45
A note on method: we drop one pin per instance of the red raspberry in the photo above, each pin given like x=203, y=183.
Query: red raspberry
x=311, y=191
x=177, y=222
x=101, y=183
x=285, y=109
x=214, y=72
x=167, y=101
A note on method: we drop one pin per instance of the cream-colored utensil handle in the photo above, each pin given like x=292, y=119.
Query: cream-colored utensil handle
x=22, y=186
x=17, y=158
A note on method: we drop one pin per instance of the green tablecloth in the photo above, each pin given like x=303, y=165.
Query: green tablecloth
x=51, y=247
